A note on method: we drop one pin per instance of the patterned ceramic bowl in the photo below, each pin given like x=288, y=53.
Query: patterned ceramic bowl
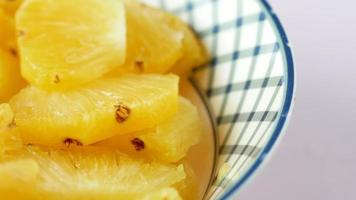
x=249, y=83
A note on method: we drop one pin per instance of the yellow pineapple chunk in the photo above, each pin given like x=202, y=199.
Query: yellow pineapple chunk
x=168, y=141
x=17, y=172
x=194, y=53
x=10, y=141
x=188, y=188
x=32, y=172
x=152, y=46
x=10, y=79
x=67, y=43
x=10, y=6
x=163, y=194
x=97, y=111
x=84, y=173
x=6, y=115
x=9, y=136
x=7, y=32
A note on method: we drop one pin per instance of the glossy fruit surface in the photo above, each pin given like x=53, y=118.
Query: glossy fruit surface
x=97, y=111
x=152, y=45
x=66, y=43
x=168, y=141
x=10, y=78
x=83, y=173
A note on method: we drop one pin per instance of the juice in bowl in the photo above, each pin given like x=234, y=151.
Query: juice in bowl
x=119, y=99
x=202, y=156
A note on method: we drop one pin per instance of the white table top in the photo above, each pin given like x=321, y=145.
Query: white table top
x=317, y=157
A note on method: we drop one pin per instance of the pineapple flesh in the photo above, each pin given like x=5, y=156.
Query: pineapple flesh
x=67, y=43
x=10, y=79
x=97, y=111
x=32, y=172
x=83, y=173
x=10, y=140
x=6, y=115
x=152, y=46
x=86, y=127
x=7, y=32
x=168, y=141
x=10, y=6
x=188, y=188
x=194, y=53
x=163, y=194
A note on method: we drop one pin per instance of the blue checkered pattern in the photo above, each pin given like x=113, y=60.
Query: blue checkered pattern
x=248, y=83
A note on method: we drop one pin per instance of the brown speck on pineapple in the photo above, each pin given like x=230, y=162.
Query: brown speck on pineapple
x=21, y=33
x=122, y=112
x=56, y=79
x=12, y=124
x=138, y=144
x=139, y=64
x=76, y=165
x=13, y=52
x=49, y=153
x=69, y=141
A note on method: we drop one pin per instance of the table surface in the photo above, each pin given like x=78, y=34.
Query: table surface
x=316, y=158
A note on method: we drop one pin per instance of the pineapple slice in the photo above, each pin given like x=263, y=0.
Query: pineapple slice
x=97, y=111
x=10, y=6
x=17, y=172
x=84, y=173
x=6, y=116
x=30, y=172
x=9, y=136
x=194, y=53
x=164, y=194
x=10, y=79
x=67, y=43
x=10, y=141
x=7, y=32
x=168, y=141
x=188, y=188
x=152, y=46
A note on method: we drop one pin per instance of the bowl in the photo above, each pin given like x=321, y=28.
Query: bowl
x=248, y=86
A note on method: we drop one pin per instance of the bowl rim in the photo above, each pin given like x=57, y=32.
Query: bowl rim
x=286, y=109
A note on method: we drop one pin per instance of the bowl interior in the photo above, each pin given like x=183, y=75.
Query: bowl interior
x=249, y=83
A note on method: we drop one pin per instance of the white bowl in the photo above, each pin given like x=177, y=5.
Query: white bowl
x=249, y=83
